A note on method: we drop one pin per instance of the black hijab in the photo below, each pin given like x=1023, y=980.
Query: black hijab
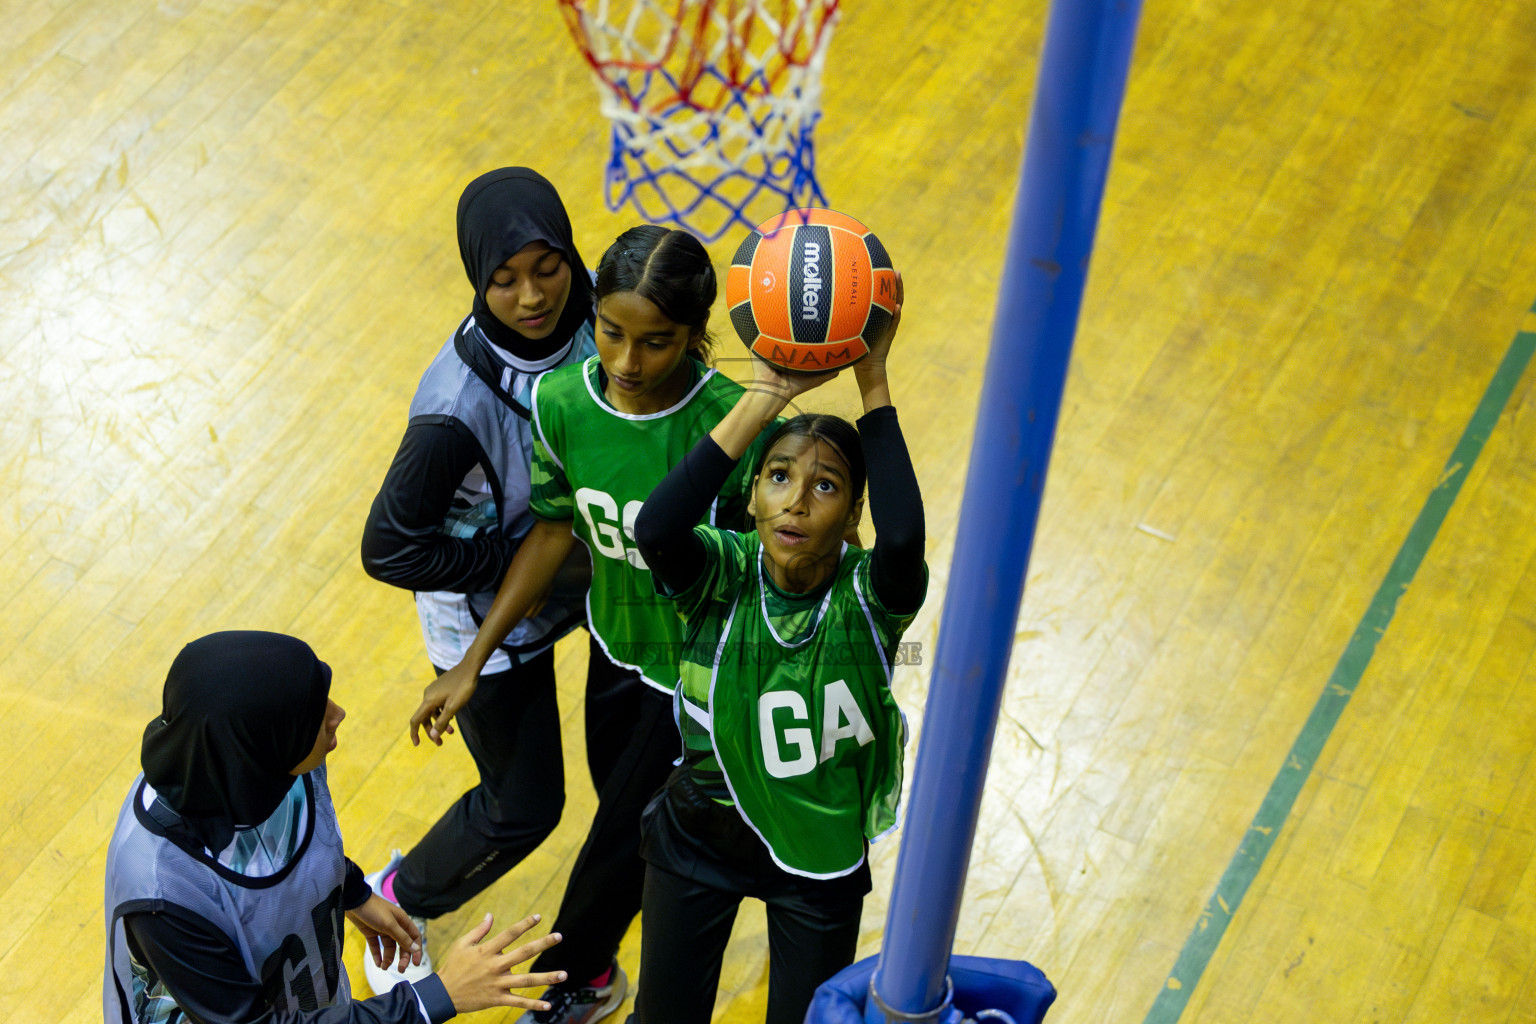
x=241, y=710
x=499, y=213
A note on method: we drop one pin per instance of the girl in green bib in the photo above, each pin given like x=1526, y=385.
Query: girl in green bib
x=605, y=431
x=792, y=740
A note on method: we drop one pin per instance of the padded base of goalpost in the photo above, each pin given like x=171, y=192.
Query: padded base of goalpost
x=1017, y=988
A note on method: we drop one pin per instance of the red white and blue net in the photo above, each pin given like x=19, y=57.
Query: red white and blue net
x=714, y=104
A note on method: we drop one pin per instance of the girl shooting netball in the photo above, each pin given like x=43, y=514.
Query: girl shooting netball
x=792, y=740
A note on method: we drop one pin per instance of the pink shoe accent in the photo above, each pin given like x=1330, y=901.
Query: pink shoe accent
x=597, y=982
x=387, y=889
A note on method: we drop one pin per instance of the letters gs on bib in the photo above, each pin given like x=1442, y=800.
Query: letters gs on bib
x=608, y=529
x=810, y=289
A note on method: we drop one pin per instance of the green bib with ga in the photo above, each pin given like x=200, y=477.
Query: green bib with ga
x=794, y=693
x=595, y=466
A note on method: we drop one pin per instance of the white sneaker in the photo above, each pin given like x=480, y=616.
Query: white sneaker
x=382, y=979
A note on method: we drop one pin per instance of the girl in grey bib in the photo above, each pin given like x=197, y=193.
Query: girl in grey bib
x=226, y=883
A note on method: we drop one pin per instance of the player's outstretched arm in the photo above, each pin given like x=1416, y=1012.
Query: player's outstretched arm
x=528, y=579
x=895, y=502
x=478, y=974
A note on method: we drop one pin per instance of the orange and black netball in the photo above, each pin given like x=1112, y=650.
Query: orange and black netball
x=810, y=289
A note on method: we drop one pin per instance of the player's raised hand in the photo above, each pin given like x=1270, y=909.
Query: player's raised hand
x=762, y=400
x=880, y=348
x=869, y=372
x=478, y=974
x=770, y=379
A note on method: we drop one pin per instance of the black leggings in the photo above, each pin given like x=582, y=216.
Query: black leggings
x=511, y=727
x=702, y=861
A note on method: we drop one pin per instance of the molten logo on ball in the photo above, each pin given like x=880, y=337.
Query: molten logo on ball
x=810, y=268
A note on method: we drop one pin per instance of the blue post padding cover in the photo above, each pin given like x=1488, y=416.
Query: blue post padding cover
x=981, y=983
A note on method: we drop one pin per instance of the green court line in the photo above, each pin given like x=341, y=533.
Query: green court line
x=1261, y=835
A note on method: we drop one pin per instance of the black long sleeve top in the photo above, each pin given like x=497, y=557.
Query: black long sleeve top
x=403, y=542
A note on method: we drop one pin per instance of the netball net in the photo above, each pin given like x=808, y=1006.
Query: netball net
x=714, y=104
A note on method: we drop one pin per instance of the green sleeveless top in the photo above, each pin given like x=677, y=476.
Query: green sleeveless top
x=787, y=698
x=594, y=466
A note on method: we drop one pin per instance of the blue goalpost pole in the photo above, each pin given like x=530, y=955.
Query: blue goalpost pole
x=1083, y=67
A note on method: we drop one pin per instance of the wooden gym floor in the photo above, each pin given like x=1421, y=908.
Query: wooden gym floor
x=227, y=253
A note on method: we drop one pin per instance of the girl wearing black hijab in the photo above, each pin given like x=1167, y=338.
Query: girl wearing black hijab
x=226, y=882
x=448, y=518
